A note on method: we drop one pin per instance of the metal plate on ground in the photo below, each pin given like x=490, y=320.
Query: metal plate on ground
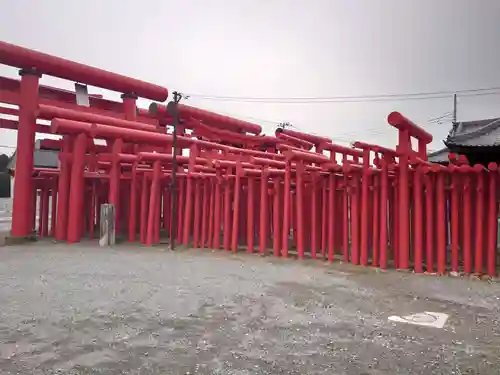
x=426, y=318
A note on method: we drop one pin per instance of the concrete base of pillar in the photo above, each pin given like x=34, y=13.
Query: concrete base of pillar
x=11, y=240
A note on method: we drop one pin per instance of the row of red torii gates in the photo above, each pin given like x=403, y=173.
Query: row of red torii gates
x=291, y=193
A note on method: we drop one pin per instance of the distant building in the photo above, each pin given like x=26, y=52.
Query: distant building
x=478, y=140
x=42, y=159
x=439, y=156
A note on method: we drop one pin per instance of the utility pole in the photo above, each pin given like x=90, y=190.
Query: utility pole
x=454, y=123
x=454, y=108
x=173, y=110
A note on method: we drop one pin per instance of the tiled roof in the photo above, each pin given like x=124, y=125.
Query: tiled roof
x=439, y=156
x=482, y=133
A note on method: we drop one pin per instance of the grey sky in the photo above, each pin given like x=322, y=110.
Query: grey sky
x=282, y=48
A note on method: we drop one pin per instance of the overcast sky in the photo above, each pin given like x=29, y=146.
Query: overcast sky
x=283, y=49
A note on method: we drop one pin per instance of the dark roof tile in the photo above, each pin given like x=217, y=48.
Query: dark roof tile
x=481, y=133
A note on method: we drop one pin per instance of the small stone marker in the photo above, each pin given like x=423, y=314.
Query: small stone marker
x=426, y=318
x=107, y=234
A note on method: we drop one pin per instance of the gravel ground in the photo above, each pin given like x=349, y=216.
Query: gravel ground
x=131, y=310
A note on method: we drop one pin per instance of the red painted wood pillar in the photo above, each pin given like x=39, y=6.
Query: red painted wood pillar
x=277, y=217
x=204, y=213
x=236, y=213
x=153, y=203
x=314, y=216
x=455, y=216
x=188, y=210
x=403, y=200
x=467, y=222
x=492, y=219
x=144, y=210
x=441, y=221
x=355, y=209
x=114, y=181
x=324, y=216
x=63, y=189
x=346, y=221
x=198, y=189
x=211, y=214
x=76, y=193
x=418, y=219
x=429, y=220
x=251, y=214
x=300, y=209
x=286, y=210
x=332, y=222
x=23, y=205
x=217, y=210
x=365, y=206
x=132, y=220
x=480, y=214
x=226, y=244
x=384, y=201
x=263, y=222
x=181, y=200
x=93, y=212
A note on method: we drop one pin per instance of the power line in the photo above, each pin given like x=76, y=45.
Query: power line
x=440, y=120
x=429, y=93
x=375, y=130
x=444, y=115
x=352, y=99
x=244, y=117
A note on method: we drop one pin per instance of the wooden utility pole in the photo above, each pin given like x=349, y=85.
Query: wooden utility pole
x=454, y=108
x=174, y=112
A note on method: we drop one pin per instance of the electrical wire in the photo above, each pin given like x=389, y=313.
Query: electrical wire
x=352, y=99
x=371, y=131
x=347, y=99
x=445, y=115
